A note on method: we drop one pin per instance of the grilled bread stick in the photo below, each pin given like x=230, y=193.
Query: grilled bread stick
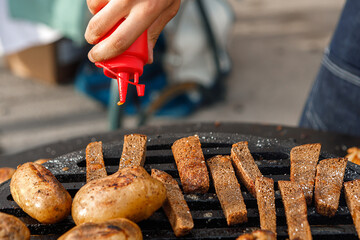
x=227, y=189
x=265, y=196
x=191, y=166
x=95, y=166
x=134, y=151
x=245, y=166
x=175, y=206
x=295, y=210
x=328, y=184
x=352, y=197
x=303, y=166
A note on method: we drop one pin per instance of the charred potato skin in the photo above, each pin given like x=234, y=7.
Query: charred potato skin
x=121, y=229
x=36, y=190
x=12, y=228
x=129, y=193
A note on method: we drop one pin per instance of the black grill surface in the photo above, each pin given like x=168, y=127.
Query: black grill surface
x=271, y=155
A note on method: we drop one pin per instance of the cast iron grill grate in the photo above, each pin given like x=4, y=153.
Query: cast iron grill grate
x=271, y=155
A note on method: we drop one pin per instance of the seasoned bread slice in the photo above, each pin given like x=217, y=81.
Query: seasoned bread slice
x=265, y=196
x=95, y=166
x=303, y=160
x=175, y=206
x=352, y=197
x=245, y=166
x=191, y=166
x=258, y=235
x=295, y=210
x=227, y=189
x=134, y=151
x=328, y=184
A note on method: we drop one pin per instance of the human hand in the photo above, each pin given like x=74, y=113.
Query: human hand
x=140, y=15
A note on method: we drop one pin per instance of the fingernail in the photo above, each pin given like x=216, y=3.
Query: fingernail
x=90, y=56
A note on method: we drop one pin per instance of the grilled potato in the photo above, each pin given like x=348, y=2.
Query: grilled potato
x=41, y=160
x=258, y=235
x=12, y=228
x=6, y=173
x=39, y=194
x=119, y=229
x=129, y=193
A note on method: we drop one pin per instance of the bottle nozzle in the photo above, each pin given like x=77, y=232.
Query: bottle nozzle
x=123, y=79
x=140, y=88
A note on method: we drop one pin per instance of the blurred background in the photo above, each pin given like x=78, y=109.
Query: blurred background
x=230, y=61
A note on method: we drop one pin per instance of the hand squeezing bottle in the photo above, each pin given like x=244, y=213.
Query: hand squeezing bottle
x=128, y=65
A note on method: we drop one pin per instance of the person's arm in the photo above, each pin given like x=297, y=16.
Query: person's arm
x=140, y=15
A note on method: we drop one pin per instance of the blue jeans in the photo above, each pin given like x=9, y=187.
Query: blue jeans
x=334, y=101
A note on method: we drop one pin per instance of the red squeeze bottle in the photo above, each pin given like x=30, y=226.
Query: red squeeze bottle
x=128, y=65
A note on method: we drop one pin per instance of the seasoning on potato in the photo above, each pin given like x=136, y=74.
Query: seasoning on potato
x=119, y=229
x=12, y=228
x=6, y=173
x=36, y=190
x=129, y=193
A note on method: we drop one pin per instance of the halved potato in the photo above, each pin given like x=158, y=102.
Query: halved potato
x=36, y=190
x=6, y=173
x=119, y=229
x=129, y=193
x=12, y=228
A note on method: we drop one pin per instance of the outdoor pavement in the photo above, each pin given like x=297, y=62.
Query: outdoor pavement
x=276, y=49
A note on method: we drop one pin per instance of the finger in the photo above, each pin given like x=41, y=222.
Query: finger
x=96, y=5
x=121, y=39
x=104, y=21
x=156, y=28
x=150, y=55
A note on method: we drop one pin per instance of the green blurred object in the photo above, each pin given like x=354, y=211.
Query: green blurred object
x=69, y=17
